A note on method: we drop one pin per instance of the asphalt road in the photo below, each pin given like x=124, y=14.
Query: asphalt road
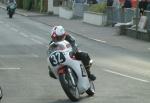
x=123, y=76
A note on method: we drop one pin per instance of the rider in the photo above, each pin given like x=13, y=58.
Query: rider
x=58, y=33
x=11, y=1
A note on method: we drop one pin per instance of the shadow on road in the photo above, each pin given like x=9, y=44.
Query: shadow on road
x=82, y=98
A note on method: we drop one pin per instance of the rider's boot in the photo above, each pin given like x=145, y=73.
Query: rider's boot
x=91, y=76
x=51, y=74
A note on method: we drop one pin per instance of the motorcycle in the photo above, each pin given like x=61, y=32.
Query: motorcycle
x=71, y=73
x=11, y=9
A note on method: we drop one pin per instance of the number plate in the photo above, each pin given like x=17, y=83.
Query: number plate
x=57, y=58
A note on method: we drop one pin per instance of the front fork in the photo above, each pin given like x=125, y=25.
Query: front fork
x=72, y=79
x=69, y=71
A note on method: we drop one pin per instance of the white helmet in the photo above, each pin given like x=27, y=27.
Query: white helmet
x=57, y=33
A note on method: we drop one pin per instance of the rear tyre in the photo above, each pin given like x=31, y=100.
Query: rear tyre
x=70, y=86
x=91, y=90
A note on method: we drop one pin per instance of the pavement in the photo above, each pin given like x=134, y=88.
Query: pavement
x=108, y=35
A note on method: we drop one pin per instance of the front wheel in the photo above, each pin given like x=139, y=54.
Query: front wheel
x=91, y=90
x=68, y=82
x=1, y=94
x=10, y=15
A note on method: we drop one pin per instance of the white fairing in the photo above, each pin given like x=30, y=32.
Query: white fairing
x=76, y=65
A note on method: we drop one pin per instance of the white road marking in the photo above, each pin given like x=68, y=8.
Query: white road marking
x=117, y=73
x=38, y=37
x=23, y=34
x=37, y=41
x=102, y=41
x=14, y=29
x=47, y=46
x=34, y=55
x=14, y=56
x=1, y=22
x=7, y=25
x=10, y=68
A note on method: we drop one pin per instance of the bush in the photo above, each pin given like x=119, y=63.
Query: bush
x=26, y=4
x=98, y=8
x=19, y=4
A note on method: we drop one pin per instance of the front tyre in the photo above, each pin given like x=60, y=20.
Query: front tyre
x=10, y=15
x=69, y=84
x=1, y=94
x=91, y=90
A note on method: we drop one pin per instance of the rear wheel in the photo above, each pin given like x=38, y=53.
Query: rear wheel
x=68, y=82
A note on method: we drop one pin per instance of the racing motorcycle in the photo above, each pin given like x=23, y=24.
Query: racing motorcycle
x=11, y=9
x=70, y=72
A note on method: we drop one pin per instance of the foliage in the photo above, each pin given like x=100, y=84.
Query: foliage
x=36, y=5
x=19, y=4
x=98, y=8
x=25, y=4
